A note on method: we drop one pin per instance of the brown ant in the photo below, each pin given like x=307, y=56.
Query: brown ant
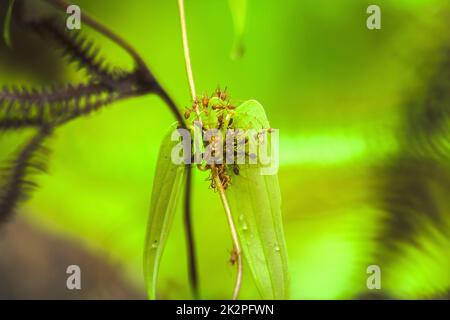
x=225, y=179
x=220, y=119
x=230, y=122
x=202, y=167
x=187, y=113
x=223, y=175
x=205, y=100
x=223, y=107
x=236, y=169
x=222, y=95
x=233, y=256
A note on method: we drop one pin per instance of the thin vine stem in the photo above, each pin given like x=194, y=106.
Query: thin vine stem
x=192, y=265
x=218, y=182
x=234, y=235
x=187, y=55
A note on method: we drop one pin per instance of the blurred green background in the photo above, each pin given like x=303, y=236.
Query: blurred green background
x=342, y=97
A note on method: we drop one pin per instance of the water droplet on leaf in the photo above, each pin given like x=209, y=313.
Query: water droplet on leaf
x=243, y=223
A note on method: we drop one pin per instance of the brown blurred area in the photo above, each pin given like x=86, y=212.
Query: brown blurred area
x=33, y=265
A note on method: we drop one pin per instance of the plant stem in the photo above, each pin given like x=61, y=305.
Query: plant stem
x=187, y=56
x=234, y=235
x=193, y=274
x=215, y=175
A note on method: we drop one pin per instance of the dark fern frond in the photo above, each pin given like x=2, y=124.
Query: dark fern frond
x=17, y=180
x=78, y=48
x=31, y=107
x=412, y=195
x=428, y=128
x=94, y=103
x=416, y=181
x=23, y=107
x=422, y=169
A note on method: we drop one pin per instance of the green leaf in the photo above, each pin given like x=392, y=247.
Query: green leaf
x=239, y=14
x=255, y=202
x=167, y=184
x=250, y=115
x=7, y=25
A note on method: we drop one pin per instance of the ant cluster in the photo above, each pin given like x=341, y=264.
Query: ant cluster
x=216, y=112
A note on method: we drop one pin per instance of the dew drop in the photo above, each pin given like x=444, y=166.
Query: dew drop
x=277, y=249
x=155, y=244
x=243, y=222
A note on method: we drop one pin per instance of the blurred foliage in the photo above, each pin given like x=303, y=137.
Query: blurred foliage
x=355, y=168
